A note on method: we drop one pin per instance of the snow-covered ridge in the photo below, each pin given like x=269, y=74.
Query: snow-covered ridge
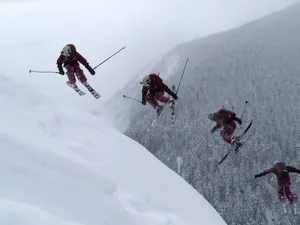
x=60, y=166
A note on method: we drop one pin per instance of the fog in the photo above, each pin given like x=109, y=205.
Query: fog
x=34, y=32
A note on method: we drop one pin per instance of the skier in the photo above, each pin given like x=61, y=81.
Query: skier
x=71, y=58
x=153, y=91
x=226, y=119
x=283, y=179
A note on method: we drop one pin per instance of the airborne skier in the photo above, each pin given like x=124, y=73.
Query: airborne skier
x=70, y=59
x=226, y=119
x=153, y=91
x=283, y=179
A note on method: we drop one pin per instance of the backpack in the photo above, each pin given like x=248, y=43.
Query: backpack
x=156, y=80
x=281, y=170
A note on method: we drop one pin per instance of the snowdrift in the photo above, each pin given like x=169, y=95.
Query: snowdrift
x=60, y=166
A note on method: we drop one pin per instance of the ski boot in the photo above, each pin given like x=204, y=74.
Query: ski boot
x=282, y=199
x=71, y=85
x=293, y=199
x=86, y=84
x=235, y=144
x=238, y=145
x=234, y=141
x=159, y=109
x=172, y=104
x=90, y=89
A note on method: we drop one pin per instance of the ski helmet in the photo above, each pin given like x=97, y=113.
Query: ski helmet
x=68, y=50
x=278, y=162
x=146, y=81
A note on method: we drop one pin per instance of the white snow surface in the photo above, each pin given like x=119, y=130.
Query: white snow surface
x=60, y=166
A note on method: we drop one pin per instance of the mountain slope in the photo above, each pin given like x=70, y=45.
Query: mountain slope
x=61, y=166
x=258, y=62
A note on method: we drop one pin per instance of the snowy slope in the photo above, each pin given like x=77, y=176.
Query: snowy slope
x=60, y=166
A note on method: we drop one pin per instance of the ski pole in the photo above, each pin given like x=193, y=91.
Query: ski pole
x=36, y=71
x=109, y=58
x=124, y=96
x=182, y=74
x=248, y=183
x=219, y=163
x=246, y=102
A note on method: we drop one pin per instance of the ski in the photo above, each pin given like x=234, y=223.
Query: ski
x=172, y=107
x=154, y=121
x=237, y=149
x=245, y=131
x=157, y=115
x=91, y=90
x=152, y=124
x=284, y=208
x=222, y=160
x=239, y=144
x=75, y=88
x=295, y=205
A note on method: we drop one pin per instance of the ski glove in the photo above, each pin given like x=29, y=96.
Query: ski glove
x=212, y=130
x=143, y=101
x=215, y=128
x=90, y=69
x=174, y=96
x=238, y=120
x=61, y=71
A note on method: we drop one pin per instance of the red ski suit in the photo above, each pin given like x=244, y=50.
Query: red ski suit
x=284, y=184
x=226, y=119
x=71, y=64
x=156, y=91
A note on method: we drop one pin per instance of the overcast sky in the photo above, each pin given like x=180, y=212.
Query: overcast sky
x=34, y=32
